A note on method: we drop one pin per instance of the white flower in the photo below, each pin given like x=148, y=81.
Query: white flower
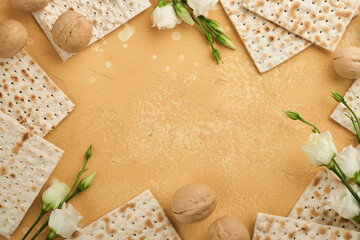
x=54, y=195
x=164, y=17
x=64, y=222
x=349, y=161
x=202, y=7
x=341, y=201
x=320, y=148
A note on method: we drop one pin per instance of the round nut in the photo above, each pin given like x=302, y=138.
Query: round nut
x=29, y=5
x=13, y=38
x=228, y=228
x=72, y=31
x=346, y=62
x=193, y=203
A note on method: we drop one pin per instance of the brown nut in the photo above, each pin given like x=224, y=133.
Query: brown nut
x=228, y=228
x=13, y=38
x=193, y=203
x=72, y=31
x=29, y=5
x=346, y=62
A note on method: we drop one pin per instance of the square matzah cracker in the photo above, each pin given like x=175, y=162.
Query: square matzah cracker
x=352, y=98
x=141, y=218
x=28, y=95
x=268, y=227
x=26, y=162
x=311, y=205
x=321, y=22
x=268, y=44
x=105, y=15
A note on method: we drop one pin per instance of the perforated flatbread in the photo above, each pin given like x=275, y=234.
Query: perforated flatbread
x=352, y=98
x=268, y=227
x=311, y=205
x=268, y=44
x=26, y=162
x=105, y=15
x=28, y=95
x=141, y=218
x=320, y=22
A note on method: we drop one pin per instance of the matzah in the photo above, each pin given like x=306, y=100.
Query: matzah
x=268, y=44
x=105, y=15
x=141, y=218
x=352, y=98
x=268, y=227
x=28, y=95
x=26, y=162
x=320, y=22
x=311, y=205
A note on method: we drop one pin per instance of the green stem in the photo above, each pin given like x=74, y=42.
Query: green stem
x=353, y=113
x=40, y=229
x=72, y=195
x=310, y=124
x=206, y=32
x=36, y=222
x=79, y=175
x=340, y=170
x=47, y=221
x=356, y=129
x=203, y=19
x=345, y=182
x=67, y=198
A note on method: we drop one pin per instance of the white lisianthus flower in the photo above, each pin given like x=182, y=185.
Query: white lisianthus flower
x=202, y=7
x=54, y=195
x=320, y=148
x=341, y=201
x=349, y=161
x=63, y=222
x=164, y=16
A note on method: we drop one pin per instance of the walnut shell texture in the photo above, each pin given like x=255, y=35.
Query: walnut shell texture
x=228, y=228
x=29, y=5
x=193, y=203
x=346, y=62
x=72, y=31
x=13, y=38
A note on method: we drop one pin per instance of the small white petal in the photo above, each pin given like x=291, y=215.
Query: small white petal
x=65, y=221
x=202, y=7
x=165, y=17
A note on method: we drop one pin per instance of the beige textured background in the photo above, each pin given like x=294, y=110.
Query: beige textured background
x=180, y=118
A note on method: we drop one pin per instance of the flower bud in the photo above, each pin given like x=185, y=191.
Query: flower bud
x=226, y=41
x=292, y=115
x=215, y=25
x=217, y=55
x=183, y=13
x=164, y=16
x=320, y=149
x=337, y=96
x=89, y=152
x=86, y=183
x=54, y=195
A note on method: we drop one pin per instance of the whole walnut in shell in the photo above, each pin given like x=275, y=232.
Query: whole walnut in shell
x=13, y=38
x=193, y=203
x=29, y=5
x=228, y=228
x=347, y=62
x=72, y=31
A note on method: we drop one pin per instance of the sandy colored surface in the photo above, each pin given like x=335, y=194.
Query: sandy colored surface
x=161, y=114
